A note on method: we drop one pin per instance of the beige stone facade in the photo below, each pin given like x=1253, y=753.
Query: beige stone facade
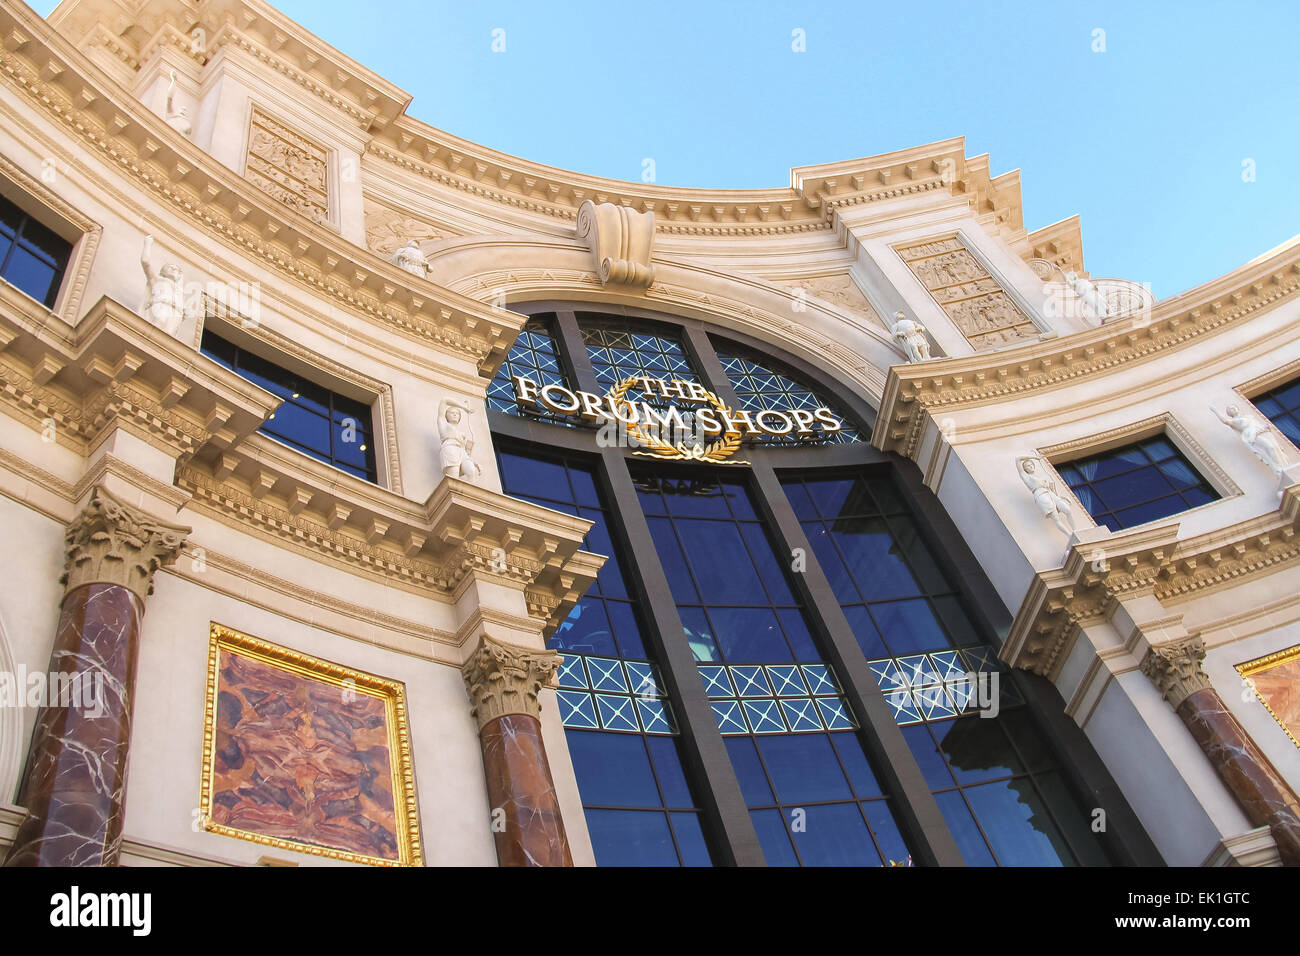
x=304, y=175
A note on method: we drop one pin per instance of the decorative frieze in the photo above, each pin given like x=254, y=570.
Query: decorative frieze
x=506, y=679
x=113, y=543
x=1175, y=668
x=970, y=296
x=288, y=166
x=387, y=229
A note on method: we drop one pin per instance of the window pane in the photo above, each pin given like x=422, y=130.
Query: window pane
x=976, y=749
x=32, y=275
x=631, y=838
x=753, y=781
x=909, y=626
x=804, y=769
x=690, y=840
x=773, y=838
x=835, y=836
x=973, y=848
x=612, y=769
x=1017, y=824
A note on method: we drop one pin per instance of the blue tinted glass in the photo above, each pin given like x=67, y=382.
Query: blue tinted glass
x=909, y=626
x=773, y=838
x=800, y=501
x=720, y=561
x=973, y=849
x=804, y=768
x=831, y=496
x=835, y=836
x=753, y=781
x=586, y=630
x=627, y=633
x=864, y=629
x=32, y=274
x=668, y=766
x=828, y=558
x=672, y=560
x=886, y=832
x=855, y=765
x=1139, y=485
x=631, y=838
x=612, y=769
x=533, y=478
x=690, y=840
x=1017, y=824
x=749, y=634
x=699, y=635
x=796, y=632
x=927, y=756
x=873, y=558
x=769, y=569
x=976, y=749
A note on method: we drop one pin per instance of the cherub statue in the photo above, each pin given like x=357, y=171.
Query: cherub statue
x=1255, y=435
x=910, y=334
x=1088, y=294
x=457, y=440
x=177, y=119
x=164, y=303
x=1043, y=488
x=412, y=259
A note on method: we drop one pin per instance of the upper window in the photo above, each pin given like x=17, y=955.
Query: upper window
x=534, y=357
x=1282, y=406
x=617, y=353
x=32, y=257
x=1131, y=485
x=758, y=386
x=330, y=427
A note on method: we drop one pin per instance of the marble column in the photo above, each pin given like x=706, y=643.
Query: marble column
x=503, y=682
x=74, y=782
x=1259, y=789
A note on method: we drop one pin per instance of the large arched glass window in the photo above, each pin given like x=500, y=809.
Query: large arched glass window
x=781, y=662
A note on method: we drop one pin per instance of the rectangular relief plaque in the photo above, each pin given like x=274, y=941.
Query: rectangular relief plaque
x=306, y=755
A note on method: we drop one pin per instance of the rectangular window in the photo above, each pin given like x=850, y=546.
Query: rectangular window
x=328, y=426
x=33, y=257
x=1133, y=484
x=1282, y=406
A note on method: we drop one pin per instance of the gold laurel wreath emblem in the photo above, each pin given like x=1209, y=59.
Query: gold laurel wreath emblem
x=719, y=450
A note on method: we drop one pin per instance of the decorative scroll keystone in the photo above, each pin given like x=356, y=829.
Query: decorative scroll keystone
x=113, y=543
x=505, y=679
x=1175, y=668
x=622, y=241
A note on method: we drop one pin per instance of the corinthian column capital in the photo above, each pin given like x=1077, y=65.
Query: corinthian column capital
x=1175, y=668
x=113, y=543
x=505, y=679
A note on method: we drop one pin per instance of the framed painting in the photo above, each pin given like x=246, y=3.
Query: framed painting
x=1275, y=679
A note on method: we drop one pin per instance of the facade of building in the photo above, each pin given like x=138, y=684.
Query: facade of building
x=376, y=498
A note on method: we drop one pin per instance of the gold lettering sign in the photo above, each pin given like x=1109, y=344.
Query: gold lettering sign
x=707, y=431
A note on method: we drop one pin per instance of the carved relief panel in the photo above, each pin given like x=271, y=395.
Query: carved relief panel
x=972, y=298
x=288, y=166
x=387, y=229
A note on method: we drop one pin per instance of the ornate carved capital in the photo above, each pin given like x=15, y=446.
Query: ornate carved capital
x=621, y=239
x=1175, y=668
x=505, y=679
x=113, y=543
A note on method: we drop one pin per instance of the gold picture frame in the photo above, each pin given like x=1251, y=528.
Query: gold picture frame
x=227, y=643
x=1268, y=662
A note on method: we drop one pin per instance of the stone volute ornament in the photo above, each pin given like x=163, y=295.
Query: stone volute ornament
x=411, y=258
x=622, y=241
x=910, y=335
x=1255, y=435
x=1051, y=504
x=506, y=679
x=455, y=456
x=164, y=303
x=1175, y=668
x=112, y=543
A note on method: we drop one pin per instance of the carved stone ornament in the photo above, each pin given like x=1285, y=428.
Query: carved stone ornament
x=505, y=679
x=1175, y=668
x=622, y=241
x=113, y=543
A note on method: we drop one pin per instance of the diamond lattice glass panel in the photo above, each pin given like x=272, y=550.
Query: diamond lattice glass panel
x=758, y=387
x=533, y=356
x=617, y=353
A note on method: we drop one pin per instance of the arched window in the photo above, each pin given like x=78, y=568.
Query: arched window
x=784, y=660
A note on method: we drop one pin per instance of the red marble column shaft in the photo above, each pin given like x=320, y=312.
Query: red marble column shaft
x=1260, y=790
x=74, y=784
x=529, y=830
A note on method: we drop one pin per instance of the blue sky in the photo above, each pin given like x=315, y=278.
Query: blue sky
x=1146, y=140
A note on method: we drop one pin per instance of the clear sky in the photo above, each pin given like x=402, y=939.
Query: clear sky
x=1142, y=130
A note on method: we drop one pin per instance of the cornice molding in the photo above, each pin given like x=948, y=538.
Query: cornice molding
x=914, y=393
x=1147, y=560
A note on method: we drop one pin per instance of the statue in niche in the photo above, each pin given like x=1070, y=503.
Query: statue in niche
x=177, y=119
x=1043, y=489
x=457, y=440
x=910, y=334
x=411, y=259
x=164, y=303
x=1088, y=294
x=1255, y=435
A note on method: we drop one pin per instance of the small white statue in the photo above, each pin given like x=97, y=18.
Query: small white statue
x=457, y=440
x=410, y=258
x=164, y=303
x=910, y=334
x=177, y=119
x=1043, y=488
x=1255, y=435
x=1088, y=294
